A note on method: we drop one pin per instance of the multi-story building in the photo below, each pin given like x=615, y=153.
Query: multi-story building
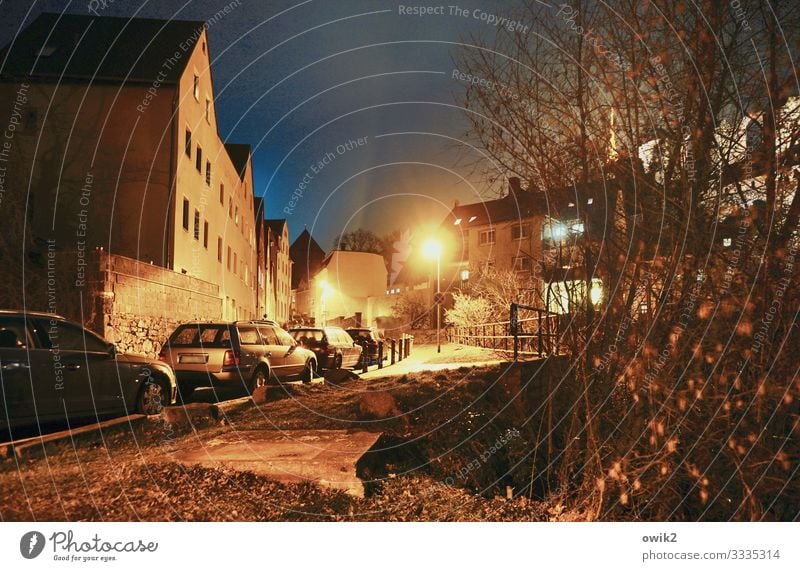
x=532, y=235
x=277, y=246
x=117, y=146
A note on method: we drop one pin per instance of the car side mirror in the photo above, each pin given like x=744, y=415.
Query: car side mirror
x=112, y=350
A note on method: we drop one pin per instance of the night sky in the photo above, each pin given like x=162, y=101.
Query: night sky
x=299, y=80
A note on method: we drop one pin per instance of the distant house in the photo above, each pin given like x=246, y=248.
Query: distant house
x=532, y=234
x=346, y=290
x=307, y=257
x=280, y=269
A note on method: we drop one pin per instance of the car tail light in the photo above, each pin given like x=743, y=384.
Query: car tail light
x=230, y=359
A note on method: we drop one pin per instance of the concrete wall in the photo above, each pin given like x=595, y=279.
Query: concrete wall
x=134, y=298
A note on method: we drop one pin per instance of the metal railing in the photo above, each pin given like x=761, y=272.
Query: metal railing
x=538, y=334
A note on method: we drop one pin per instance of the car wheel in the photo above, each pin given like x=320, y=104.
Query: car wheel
x=309, y=371
x=259, y=379
x=151, y=398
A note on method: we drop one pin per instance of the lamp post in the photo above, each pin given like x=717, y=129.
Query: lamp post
x=433, y=249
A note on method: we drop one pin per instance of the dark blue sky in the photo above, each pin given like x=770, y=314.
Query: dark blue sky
x=298, y=79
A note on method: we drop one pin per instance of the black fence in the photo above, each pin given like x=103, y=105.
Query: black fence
x=528, y=331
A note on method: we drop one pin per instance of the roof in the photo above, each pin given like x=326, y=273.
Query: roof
x=75, y=46
x=307, y=256
x=239, y=154
x=258, y=208
x=560, y=203
x=275, y=224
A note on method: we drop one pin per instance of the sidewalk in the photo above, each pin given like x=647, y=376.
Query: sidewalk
x=426, y=358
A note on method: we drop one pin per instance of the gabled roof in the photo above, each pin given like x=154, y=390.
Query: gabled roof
x=307, y=256
x=276, y=225
x=239, y=154
x=105, y=48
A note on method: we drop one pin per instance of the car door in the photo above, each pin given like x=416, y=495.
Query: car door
x=274, y=351
x=294, y=360
x=91, y=382
x=27, y=393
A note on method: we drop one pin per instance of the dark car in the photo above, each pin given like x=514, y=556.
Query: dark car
x=368, y=338
x=247, y=354
x=52, y=370
x=334, y=348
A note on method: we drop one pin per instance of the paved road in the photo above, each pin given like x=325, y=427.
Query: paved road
x=426, y=358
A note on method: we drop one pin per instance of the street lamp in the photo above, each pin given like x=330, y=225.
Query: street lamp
x=433, y=249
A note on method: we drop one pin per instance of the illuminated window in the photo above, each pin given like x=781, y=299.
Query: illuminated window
x=726, y=242
x=457, y=222
x=472, y=218
x=464, y=275
x=590, y=201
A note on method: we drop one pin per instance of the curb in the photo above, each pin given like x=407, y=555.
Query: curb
x=20, y=448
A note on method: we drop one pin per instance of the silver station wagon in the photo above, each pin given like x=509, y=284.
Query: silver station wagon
x=246, y=354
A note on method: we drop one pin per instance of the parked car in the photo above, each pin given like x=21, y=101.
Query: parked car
x=334, y=348
x=368, y=338
x=52, y=370
x=248, y=354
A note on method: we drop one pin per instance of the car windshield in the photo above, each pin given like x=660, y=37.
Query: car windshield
x=306, y=335
x=201, y=334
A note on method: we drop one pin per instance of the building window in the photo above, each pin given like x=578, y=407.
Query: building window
x=235, y=263
x=236, y=219
x=208, y=173
x=222, y=194
x=188, y=144
x=229, y=258
x=520, y=231
x=726, y=242
x=196, y=224
x=198, y=161
x=486, y=237
x=205, y=234
x=522, y=264
x=186, y=214
x=208, y=110
x=196, y=87
x=219, y=250
x=230, y=208
x=464, y=275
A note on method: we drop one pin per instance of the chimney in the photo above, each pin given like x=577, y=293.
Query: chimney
x=514, y=186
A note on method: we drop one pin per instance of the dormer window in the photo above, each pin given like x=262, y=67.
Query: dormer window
x=457, y=222
x=196, y=88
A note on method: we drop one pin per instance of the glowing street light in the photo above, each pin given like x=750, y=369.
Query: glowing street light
x=433, y=249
